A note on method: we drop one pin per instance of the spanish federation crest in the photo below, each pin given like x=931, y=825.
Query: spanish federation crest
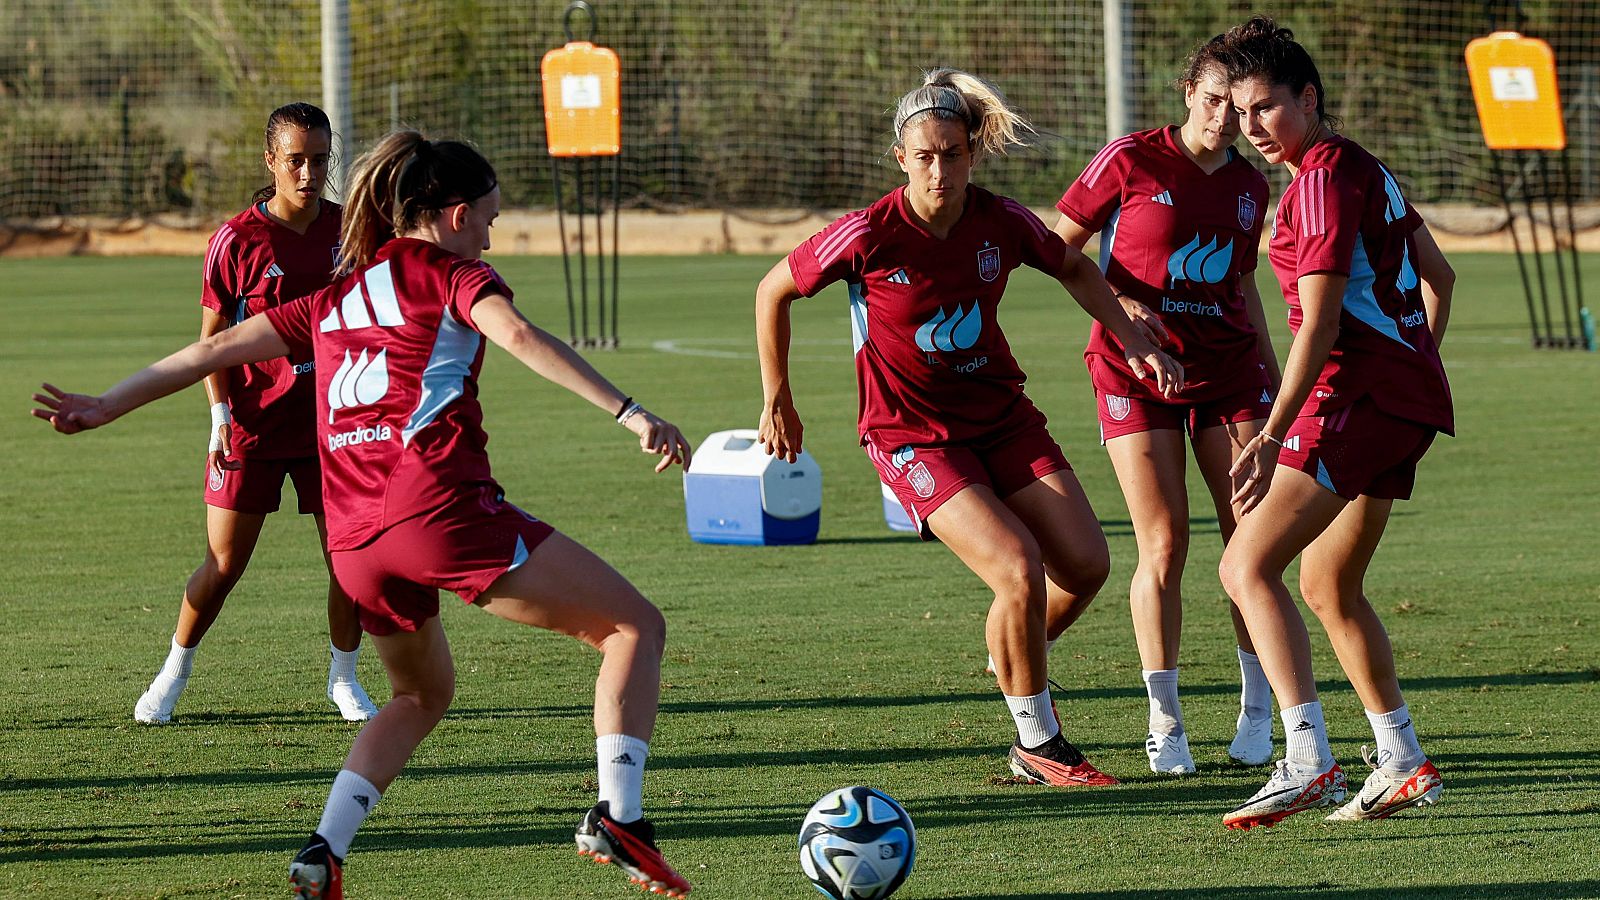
x=1118, y=407
x=1247, y=212
x=989, y=263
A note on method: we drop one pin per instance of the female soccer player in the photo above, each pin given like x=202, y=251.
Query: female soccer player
x=262, y=426
x=1179, y=213
x=412, y=508
x=942, y=412
x=1363, y=395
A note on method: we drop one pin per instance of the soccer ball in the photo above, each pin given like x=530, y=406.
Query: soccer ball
x=857, y=844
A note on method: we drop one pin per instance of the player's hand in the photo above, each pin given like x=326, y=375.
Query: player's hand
x=221, y=449
x=1251, y=474
x=780, y=431
x=661, y=438
x=1148, y=362
x=70, y=413
x=1145, y=321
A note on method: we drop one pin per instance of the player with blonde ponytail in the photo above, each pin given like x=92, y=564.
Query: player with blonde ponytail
x=412, y=507
x=942, y=413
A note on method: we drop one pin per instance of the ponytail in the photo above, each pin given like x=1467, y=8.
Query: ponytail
x=993, y=126
x=402, y=184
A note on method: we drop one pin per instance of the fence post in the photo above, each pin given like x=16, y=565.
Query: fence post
x=1119, y=67
x=336, y=88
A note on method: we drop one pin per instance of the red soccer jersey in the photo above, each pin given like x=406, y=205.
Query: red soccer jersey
x=932, y=366
x=1179, y=241
x=398, y=355
x=252, y=265
x=1343, y=214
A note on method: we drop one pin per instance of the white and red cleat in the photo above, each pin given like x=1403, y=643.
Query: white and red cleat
x=1290, y=789
x=1388, y=791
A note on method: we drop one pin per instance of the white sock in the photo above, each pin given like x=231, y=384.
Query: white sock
x=1308, y=735
x=1397, y=739
x=1036, y=721
x=1165, y=715
x=1047, y=646
x=342, y=663
x=349, y=801
x=180, y=660
x=621, y=760
x=1255, y=693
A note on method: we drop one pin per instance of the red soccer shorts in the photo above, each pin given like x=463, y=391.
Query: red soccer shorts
x=1121, y=416
x=462, y=546
x=1358, y=450
x=923, y=478
x=257, y=485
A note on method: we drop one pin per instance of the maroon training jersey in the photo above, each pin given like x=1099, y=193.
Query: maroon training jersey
x=1343, y=214
x=932, y=366
x=399, y=426
x=1179, y=241
x=252, y=265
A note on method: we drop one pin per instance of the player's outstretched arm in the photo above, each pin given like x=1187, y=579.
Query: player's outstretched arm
x=1438, y=282
x=502, y=323
x=217, y=395
x=780, y=431
x=254, y=340
x=1082, y=279
x=1321, y=302
x=1144, y=318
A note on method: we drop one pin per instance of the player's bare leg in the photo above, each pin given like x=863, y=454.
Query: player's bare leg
x=344, y=639
x=422, y=678
x=1215, y=449
x=230, y=540
x=1332, y=572
x=1150, y=467
x=566, y=588
x=998, y=546
x=1294, y=512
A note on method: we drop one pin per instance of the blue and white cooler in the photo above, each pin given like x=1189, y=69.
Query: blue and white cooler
x=734, y=493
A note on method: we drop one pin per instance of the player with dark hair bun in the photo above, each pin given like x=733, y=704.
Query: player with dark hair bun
x=1179, y=213
x=412, y=506
x=1364, y=393
x=943, y=415
x=263, y=426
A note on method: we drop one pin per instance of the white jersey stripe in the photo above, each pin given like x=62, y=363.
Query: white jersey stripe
x=1313, y=200
x=219, y=243
x=1026, y=215
x=830, y=245
x=840, y=241
x=1092, y=172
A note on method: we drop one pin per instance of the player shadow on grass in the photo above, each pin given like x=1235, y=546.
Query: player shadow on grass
x=1543, y=890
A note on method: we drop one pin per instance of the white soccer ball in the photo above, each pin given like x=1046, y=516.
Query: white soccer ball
x=857, y=843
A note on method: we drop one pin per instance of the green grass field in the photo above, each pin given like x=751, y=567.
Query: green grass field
x=789, y=671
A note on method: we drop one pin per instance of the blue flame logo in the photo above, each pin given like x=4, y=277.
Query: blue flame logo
x=957, y=332
x=1208, y=264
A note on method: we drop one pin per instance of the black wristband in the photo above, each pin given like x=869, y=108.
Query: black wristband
x=623, y=408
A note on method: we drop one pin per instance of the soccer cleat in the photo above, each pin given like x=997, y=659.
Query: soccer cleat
x=1056, y=763
x=353, y=702
x=1388, y=791
x=1290, y=789
x=1169, y=753
x=631, y=847
x=1252, y=742
x=316, y=874
x=156, y=704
